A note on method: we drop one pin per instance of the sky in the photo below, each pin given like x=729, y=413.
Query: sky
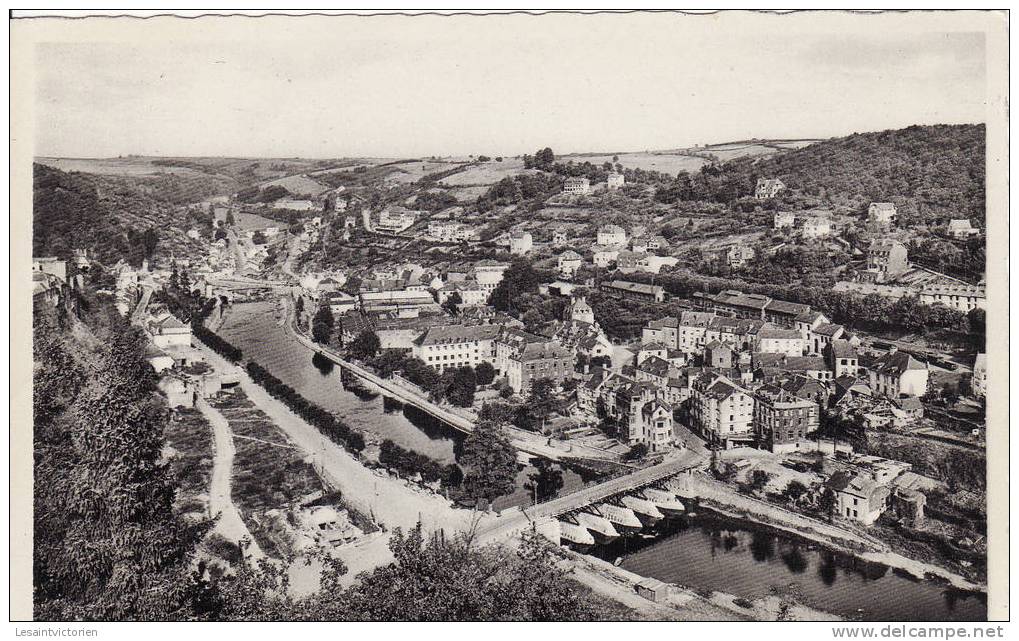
x=496, y=85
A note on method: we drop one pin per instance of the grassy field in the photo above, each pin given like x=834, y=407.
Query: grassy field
x=409, y=172
x=116, y=166
x=189, y=443
x=487, y=173
x=668, y=163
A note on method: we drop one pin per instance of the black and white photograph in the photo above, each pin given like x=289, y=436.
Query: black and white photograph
x=544, y=316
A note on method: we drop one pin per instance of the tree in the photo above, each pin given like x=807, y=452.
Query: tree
x=230, y=217
x=489, y=461
x=828, y=503
x=220, y=234
x=452, y=303
x=366, y=345
x=637, y=452
x=485, y=373
x=258, y=238
x=103, y=493
x=322, y=324
x=465, y=384
x=794, y=490
x=759, y=479
x=546, y=480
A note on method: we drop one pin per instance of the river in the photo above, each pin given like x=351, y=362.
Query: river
x=708, y=552
x=254, y=327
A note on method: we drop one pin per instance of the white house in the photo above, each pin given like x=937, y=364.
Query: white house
x=569, y=262
x=577, y=185
x=520, y=243
x=881, y=213
x=816, y=227
x=611, y=235
x=961, y=228
x=897, y=373
x=615, y=180
x=768, y=188
x=784, y=219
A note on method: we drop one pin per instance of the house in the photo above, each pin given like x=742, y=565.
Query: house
x=576, y=185
x=524, y=357
x=722, y=411
x=882, y=214
x=395, y=220
x=898, y=373
x=717, y=354
x=658, y=244
x=768, y=188
x=339, y=302
x=782, y=420
x=400, y=333
x=167, y=331
x=959, y=296
x=447, y=231
x=615, y=180
x=454, y=346
x=581, y=311
x=784, y=220
x=639, y=410
x=842, y=358
x=652, y=264
x=655, y=370
x=809, y=366
x=858, y=498
x=784, y=313
x=603, y=255
x=739, y=255
x=470, y=292
x=691, y=331
x=628, y=262
x=638, y=244
x=611, y=235
x=816, y=227
x=776, y=340
x=635, y=291
x=822, y=335
x=960, y=228
x=569, y=262
x=735, y=303
x=488, y=273
x=910, y=406
x=979, y=382
x=520, y=243
x=886, y=259
x=52, y=266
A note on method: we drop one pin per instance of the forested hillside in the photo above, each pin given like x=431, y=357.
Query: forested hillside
x=129, y=218
x=932, y=173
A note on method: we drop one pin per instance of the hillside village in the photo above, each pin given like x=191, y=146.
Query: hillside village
x=813, y=346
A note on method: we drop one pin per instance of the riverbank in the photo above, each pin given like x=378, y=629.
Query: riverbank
x=726, y=501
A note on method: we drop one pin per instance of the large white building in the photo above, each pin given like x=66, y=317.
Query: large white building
x=457, y=346
x=958, y=296
x=578, y=185
x=615, y=180
x=722, y=411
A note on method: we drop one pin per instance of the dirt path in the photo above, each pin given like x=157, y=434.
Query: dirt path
x=388, y=500
x=230, y=523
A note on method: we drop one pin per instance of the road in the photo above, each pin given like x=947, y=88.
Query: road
x=221, y=504
x=531, y=443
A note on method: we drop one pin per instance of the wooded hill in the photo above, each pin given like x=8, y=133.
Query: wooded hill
x=931, y=173
x=115, y=217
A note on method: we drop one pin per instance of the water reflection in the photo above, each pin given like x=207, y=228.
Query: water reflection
x=714, y=553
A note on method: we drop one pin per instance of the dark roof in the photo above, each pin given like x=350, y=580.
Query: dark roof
x=828, y=329
x=451, y=334
x=896, y=364
x=804, y=364
x=786, y=308
x=842, y=349
x=640, y=288
x=779, y=333
x=655, y=366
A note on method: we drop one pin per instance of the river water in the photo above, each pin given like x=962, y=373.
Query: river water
x=713, y=553
x=254, y=327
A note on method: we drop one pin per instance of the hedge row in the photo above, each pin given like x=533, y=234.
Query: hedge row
x=324, y=420
x=410, y=463
x=219, y=345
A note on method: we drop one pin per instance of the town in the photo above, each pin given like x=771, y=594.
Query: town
x=577, y=345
